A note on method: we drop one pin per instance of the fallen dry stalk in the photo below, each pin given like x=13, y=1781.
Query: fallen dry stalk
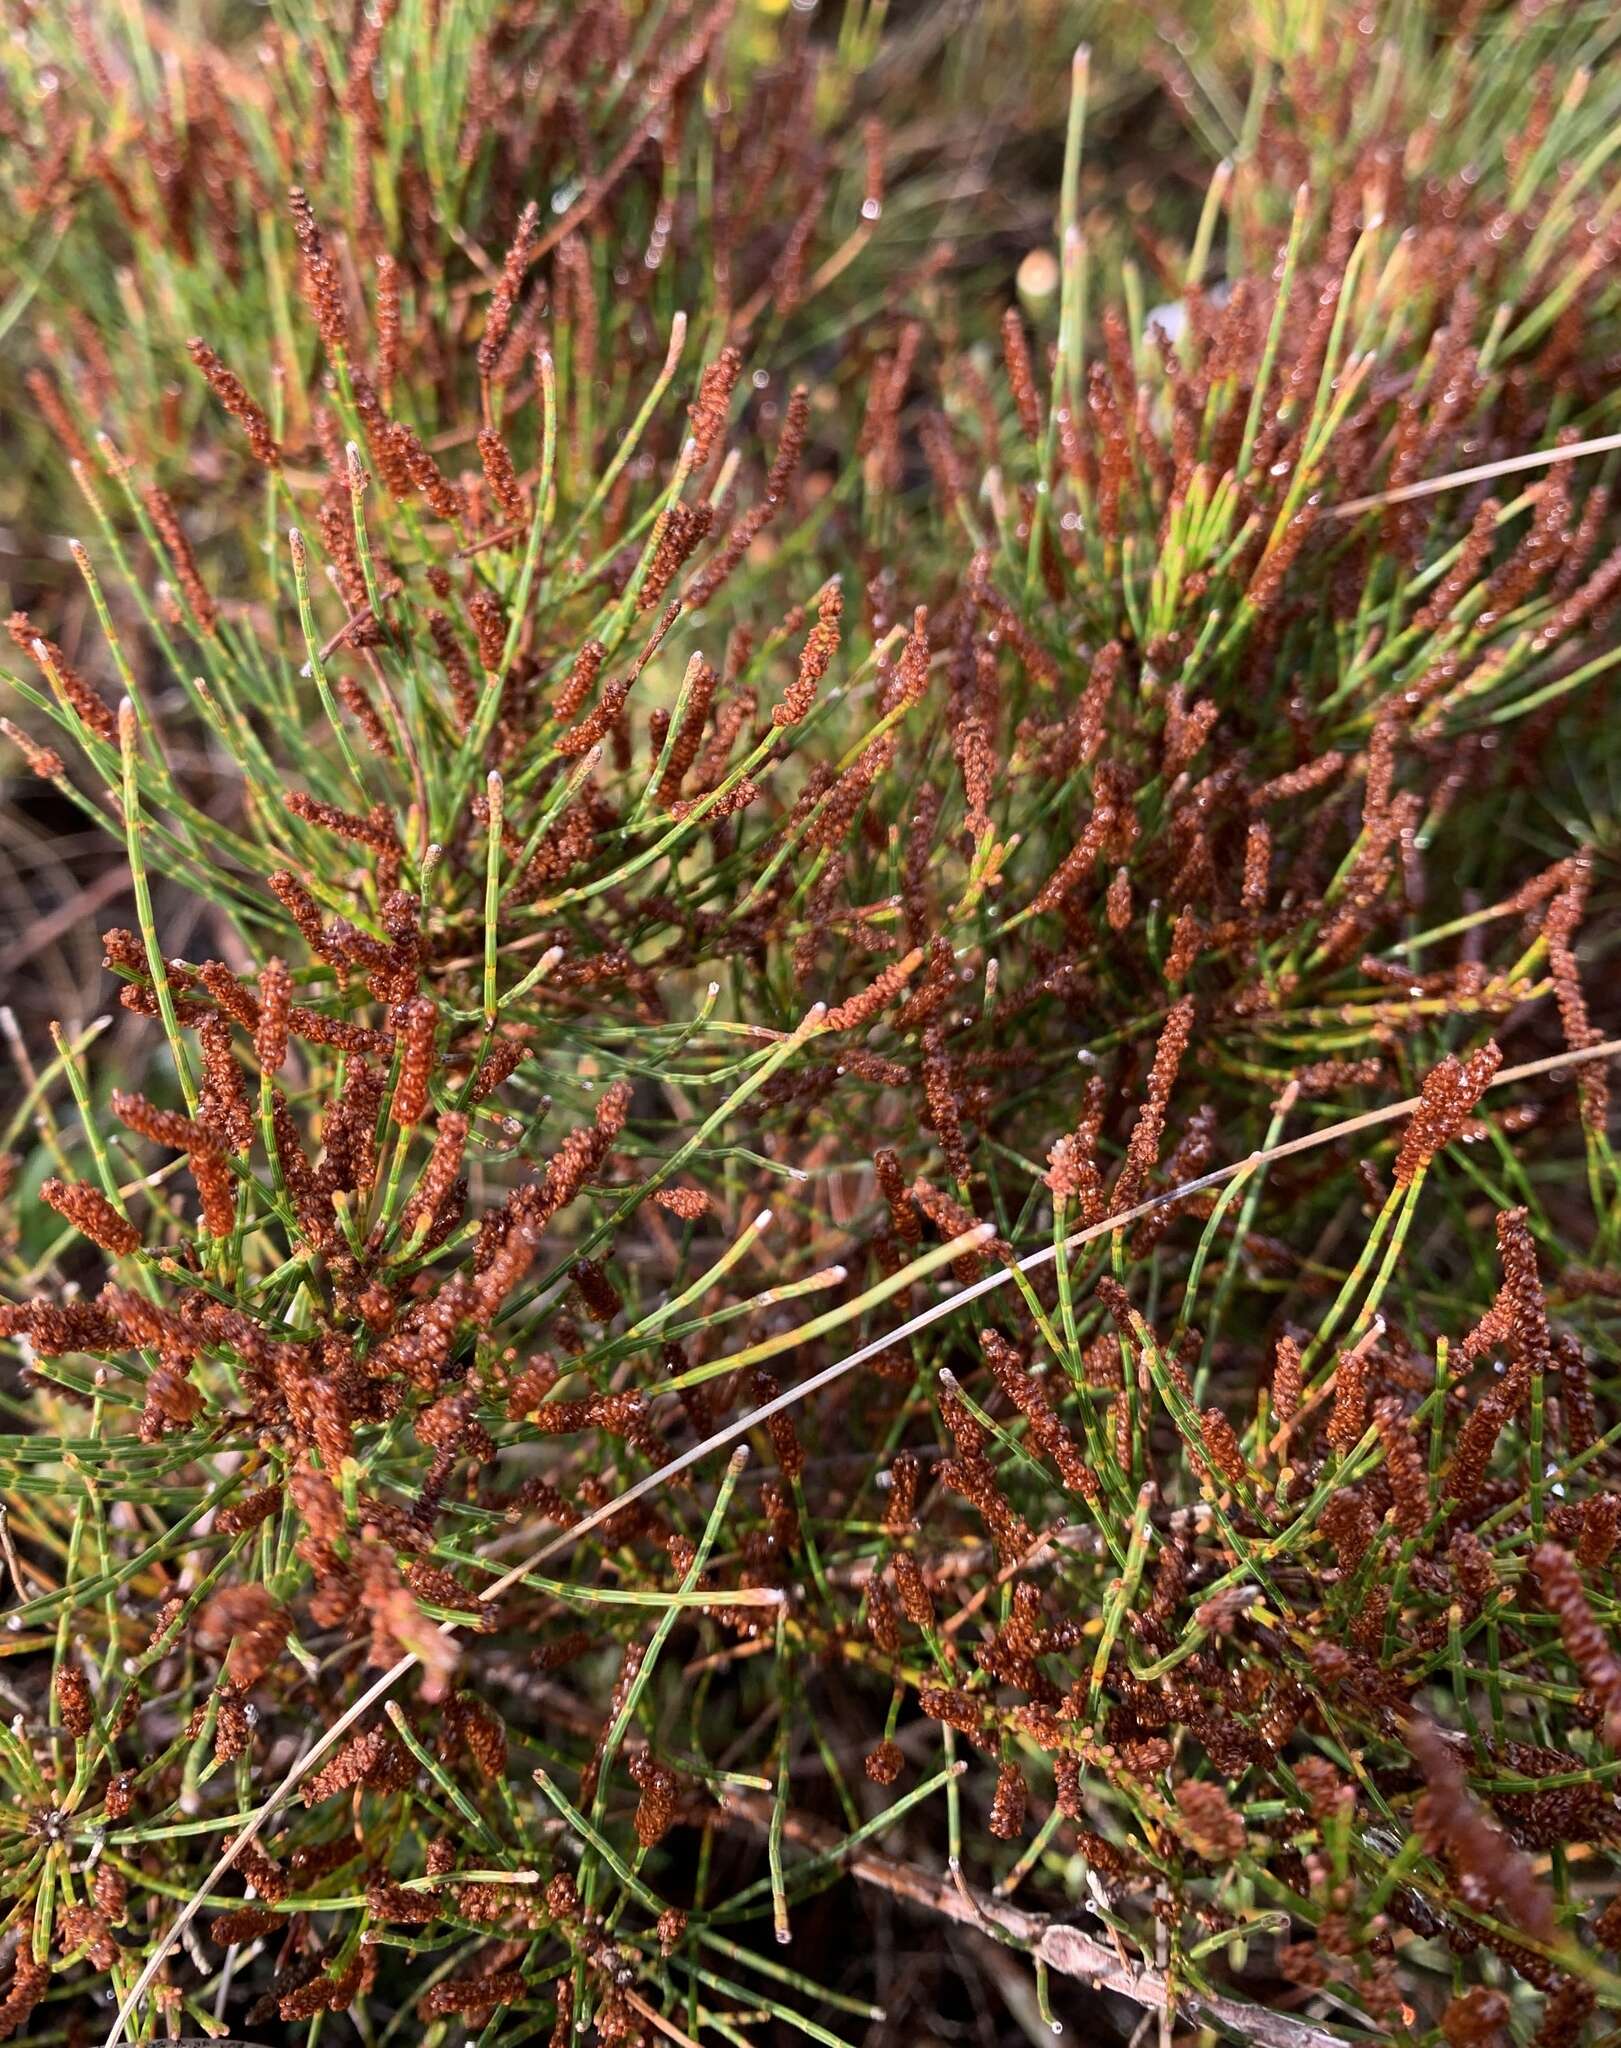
x=1056, y=1943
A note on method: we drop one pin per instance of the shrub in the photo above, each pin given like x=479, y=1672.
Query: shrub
x=887, y=1165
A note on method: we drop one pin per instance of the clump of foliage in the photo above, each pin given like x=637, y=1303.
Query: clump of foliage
x=887, y=1168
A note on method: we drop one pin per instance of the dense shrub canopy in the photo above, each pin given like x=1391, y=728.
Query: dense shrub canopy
x=859, y=1161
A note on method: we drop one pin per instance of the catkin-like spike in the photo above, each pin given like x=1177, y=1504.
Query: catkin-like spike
x=1588, y=1648
x=883, y=1618
x=504, y=296
x=1187, y=938
x=1021, y=376
x=464, y=691
x=904, y=1474
x=1467, y=1467
x=29, y=1982
x=166, y=520
x=501, y=475
x=884, y=1764
x=323, y=292
x=85, y=701
x=1447, y=1101
x=439, y=1175
x=56, y=416
x=216, y=1188
x=1559, y=928
x=418, y=1020
x=790, y=445
x=1008, y=1803
x=229, y=389
x=320, y=1029
x=247, y=1623
x=1297, y=782
x=1600, y=1531
x=1222, y=1447
x=387, y=323
x=780, y=1427
x=375, y=830
x=951, y=1219
x=698, y=687
x=680, y=530
x=1405, y=1469
x=1349, y=1417
x=1047, y=1432
x=916, y=1602
x=270, y=1029
x=944, y=1116
x=224, y=1108
x=660, y=1789
x=73, y=1700
x=602, y=1299
x=708, y=410
x=501, y=1062
x=1142, y=1148
x=1286, y=1381
x=1207, y=1822
x=815, y=661
x=295, y=898
x=1522, y=1291
x=581, y=679
x=90, y=1212
x=903, y=1215
x=157, y=1126
x=581, y=738
x=238, y=1516
x=1490, y=1870
x=1082, y=857
x=43, y=761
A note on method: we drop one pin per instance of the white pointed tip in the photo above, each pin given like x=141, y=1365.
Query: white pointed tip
x=762, y=1221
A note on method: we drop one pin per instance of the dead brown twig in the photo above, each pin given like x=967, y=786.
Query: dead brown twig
x=1058, y=1944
